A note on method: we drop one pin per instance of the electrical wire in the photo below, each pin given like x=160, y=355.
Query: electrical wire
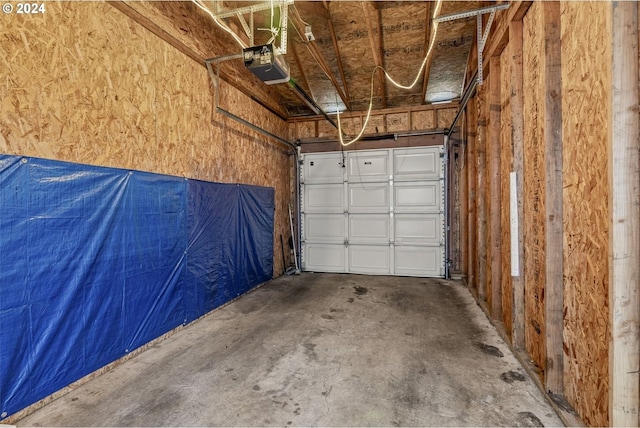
x=275, y=31
x=436, y=11
x=220, y=23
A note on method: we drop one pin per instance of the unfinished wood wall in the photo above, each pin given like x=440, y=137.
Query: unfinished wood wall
x=586, y=124
x=83, y=83
x=534, y=184
x=586, y=81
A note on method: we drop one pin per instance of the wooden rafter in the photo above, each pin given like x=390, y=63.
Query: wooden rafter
x=334, y=39
x=296, y=56
x=375, y=38
x=427, y=40
x=297, y=22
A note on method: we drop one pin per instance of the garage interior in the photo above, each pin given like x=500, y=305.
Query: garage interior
x=313, y=213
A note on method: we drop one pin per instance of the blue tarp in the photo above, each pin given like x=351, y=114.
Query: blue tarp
x=95, y=262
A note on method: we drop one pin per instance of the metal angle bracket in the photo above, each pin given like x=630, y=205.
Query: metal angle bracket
x=251, y=9
x=215, y=74
x=481, y=36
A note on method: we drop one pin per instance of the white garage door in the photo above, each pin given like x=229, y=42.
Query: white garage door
x=374, y=212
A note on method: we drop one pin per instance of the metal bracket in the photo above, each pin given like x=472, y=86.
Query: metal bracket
x=249, y=28
x=481, y=36
x=215, y=74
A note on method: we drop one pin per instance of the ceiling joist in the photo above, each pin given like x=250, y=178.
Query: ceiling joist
x=334, y=40
x=299, y=25
x=375, y=39
x=427, y=41
x=303, y=75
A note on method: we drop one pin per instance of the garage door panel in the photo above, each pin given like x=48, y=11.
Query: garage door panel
x=324, y=257
x=323, y=168
x=368, y=166
x=417, y=164
x=381, y=214
x=368, y=197
x=369, y=228
x=418, y=228
x=324, y=198
x=369, y=259
x=324, y=228
x=418, y=261
x=417, y=196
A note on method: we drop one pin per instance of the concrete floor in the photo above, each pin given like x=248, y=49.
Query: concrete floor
x=320, y=350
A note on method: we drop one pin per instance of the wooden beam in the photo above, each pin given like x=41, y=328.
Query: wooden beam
x=554, y=291
x=494, y=184
x=294, y=51
x=463, y=198
x=336, y=49
x=297, y=22
x=624, y=203
x=390, y=110
x=375, y=40
x=427, y=41
x=472, y=240
x=481, y=193
x=517, y=138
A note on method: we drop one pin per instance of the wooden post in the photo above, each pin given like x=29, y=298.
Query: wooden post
x=481, y=193
x=517, y=137
x=554, y=293
x=624, y=203
x=472, y=241
x=493, y=156
x=463, y=197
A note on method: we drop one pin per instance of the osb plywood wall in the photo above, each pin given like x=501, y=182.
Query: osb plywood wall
x=506, y=158
x=534, y=183
x=586, y=125
x=586, y=89
x=83, y=83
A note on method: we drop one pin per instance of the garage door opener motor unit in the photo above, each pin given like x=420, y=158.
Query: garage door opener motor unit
x=266, y=64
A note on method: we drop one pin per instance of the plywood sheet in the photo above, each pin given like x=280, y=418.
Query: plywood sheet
x=353, y=42
x=534, y=184
x=306, y=129
x=326, y=130
x=403, y=49
x=586, y=90
x=445, y=117
x=506, y=159
x=84, y=83
x=425, y=119
x=351, y=126
x=397, y=122
x=376, y=125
